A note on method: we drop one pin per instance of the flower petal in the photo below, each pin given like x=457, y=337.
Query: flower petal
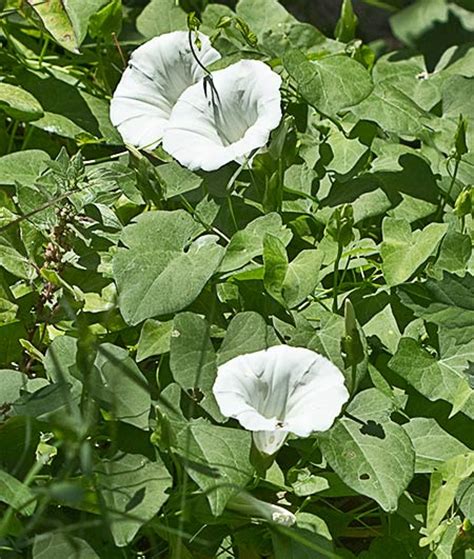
x=234, y=394
x=208, y=127
x=317, y=399
x=158, y=73
x=280, y=390
x=268, y=442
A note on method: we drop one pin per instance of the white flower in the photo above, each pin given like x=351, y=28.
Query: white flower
x=247, y=504
x=158, y=73
x=278, y=391
x=211, y=127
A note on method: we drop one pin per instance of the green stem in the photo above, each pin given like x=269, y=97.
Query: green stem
x=13, y=132
x=231, y=211
x=335, y=287
x=43, y=51
x=453, y=180
x=27, y=135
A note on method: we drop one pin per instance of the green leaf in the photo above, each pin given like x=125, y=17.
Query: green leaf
x=302, y=277
x=415, y=20
x=437, y=379
x=57, y=545
x=22, y=166
x=247, y=243
x=465, y=498
x=375, y=459
x=275, y=261
x=161, y=16
x=289, y=283
x=56, y=21
x=123, y=387
x=247, y=332
x=344, y=153
x=457, y=92
x=69, y=110
x=454, y=254
x=263, y=15
x=16, y=494
x=347, y=23
x=443, y=487
x=447, y=303
x=156, y=275
x=107, y=21
x=404, y=251
x=133, y=489
x=328, y=340
x=154, y=339
x=433, y=445
x=409, y=75
x=176, y=180
x=8, y=311
x=330, y=84
x=14, y=262
x=310, y=541
x=393, y=111
x=11, y=385
x=60, y=358
x=18, y=103
x=10, y=348
x=193, y=359
x=80, y=13
x=307, y=484
x=217, y=459
x=372, y=404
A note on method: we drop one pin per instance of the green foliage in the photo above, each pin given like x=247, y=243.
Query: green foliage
x=127, y=279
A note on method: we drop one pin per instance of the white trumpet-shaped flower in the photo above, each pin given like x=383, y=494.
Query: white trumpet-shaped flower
x=278, y=391
x=158, y=73
x=225, y=120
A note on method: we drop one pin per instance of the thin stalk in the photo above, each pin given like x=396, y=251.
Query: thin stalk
x=231, y=211
x=335, y=287
x=41, y=208
x=43, y=51
x=13, y=132
x=27, y=136
x=451, y=185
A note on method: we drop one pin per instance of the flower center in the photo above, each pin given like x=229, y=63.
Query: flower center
x=232, y=120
